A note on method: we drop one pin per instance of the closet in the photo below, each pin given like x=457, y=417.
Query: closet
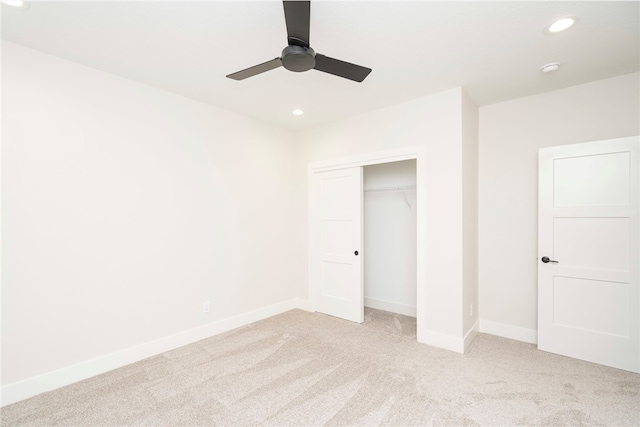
x=390, y=237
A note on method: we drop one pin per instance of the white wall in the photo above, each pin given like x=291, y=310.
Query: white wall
x=510, y=135
x=390, y=237
x=125, y=208
x=436, y=123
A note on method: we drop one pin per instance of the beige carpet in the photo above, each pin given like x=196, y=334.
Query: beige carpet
x=302, y=369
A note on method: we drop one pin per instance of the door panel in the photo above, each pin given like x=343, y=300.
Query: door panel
x=589, y=301
x=603, y=306
x=336, y=279
x=333, y=235
x=576, y=184
x=336, y=270
x=579, y=242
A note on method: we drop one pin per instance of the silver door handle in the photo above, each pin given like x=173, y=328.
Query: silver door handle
x=546, y=259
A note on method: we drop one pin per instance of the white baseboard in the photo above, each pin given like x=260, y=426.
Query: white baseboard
x=302, y=304
x=393, y=307
x=448, y=342
x=30, y=387
x=440, y=340
x=509, y=331
x=471, y=335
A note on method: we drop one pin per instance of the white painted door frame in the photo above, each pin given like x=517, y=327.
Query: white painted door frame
x=416, y=152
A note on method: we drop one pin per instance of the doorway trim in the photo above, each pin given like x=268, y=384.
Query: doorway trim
x=417, y=152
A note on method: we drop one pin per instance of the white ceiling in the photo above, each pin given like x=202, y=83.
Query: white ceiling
x=492, y=49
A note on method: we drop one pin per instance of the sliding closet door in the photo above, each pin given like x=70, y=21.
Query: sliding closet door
x=336, y=243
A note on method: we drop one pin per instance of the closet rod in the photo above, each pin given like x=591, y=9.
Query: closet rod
x=395, y=188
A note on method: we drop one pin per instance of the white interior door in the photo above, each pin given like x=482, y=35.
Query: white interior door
x=336, y=258
x=588, y=230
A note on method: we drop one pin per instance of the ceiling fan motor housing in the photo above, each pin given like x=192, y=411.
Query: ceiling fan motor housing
x=298, y=58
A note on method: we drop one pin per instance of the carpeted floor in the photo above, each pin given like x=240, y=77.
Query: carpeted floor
x=303, y=369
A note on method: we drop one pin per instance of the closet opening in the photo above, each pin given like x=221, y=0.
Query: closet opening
x=338, y=244
x=390, y=236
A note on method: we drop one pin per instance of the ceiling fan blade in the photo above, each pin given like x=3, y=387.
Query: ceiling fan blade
x=340, y=68
x=256, y=69
x=297, y=16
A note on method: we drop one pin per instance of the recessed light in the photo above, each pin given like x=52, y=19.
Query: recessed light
x=550, y=68
x=297, y=112
x=18, y=4
x=561, y=24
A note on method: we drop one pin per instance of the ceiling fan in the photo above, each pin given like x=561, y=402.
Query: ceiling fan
x=298, y=55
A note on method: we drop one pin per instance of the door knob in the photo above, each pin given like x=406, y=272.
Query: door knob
x=546, y=259
x=356, y=253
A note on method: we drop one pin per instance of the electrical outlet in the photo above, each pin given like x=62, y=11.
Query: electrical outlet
x=206, y=307
x=470, y=310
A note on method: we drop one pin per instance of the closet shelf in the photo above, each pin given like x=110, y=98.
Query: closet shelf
x=390, y=189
